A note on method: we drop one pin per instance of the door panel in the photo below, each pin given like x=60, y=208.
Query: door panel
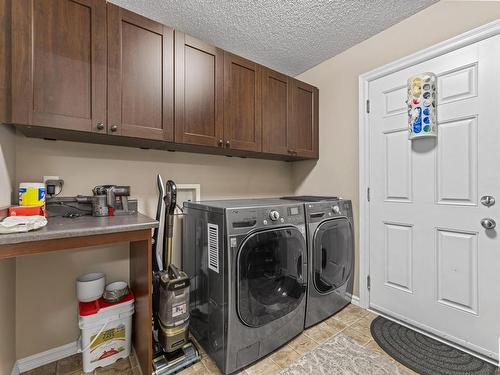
x=398, y=184
x=275, y=112
x=398, y=256
x=457, y=251
x=59, y=63
x=242, y=104
x=457, y=146
x=199, y=70
x=303, y=132
x=432, y=264
x=140, y=76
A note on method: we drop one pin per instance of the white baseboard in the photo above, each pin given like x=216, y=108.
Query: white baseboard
x=44, y=358
x=15, y=370
x=354, y=300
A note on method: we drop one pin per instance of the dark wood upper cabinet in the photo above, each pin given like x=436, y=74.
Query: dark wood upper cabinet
x=140, y=76
x=242, y=104
x=59, y=63
x=199, y=79
x=276, y=107
x=80, y=68
x=303, y=127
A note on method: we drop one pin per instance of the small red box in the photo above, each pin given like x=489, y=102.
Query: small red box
x=26, y=211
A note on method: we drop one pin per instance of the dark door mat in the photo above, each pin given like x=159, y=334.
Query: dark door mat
x=425, y=355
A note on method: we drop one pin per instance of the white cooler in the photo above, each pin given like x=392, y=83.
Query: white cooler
x=106, y=331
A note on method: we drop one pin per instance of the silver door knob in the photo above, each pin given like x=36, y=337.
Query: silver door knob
x=488, y=223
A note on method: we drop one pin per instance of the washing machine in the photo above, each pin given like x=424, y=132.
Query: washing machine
x=247, y=260
x=330, y=240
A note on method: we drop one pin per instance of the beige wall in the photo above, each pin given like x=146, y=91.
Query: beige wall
x=45, y=284
x=7, y=315
x=7, y=164
x=47, y=313
x=337, y=80
x=7, y=179
x=7, y=267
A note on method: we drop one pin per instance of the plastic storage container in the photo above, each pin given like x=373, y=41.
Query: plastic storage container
x=32, y=194
x=106, y=331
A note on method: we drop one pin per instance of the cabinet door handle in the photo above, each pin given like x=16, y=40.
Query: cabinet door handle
x=220, y=143
x=114, y=128
x=228, y=144
x=100, y=125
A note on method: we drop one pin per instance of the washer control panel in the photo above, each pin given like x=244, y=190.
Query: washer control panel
x=241, y=220
x=274, y=215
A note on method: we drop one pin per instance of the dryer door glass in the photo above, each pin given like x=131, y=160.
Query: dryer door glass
x=271, y=275
x=333, y=254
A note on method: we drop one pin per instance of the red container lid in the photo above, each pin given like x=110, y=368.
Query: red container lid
x=92, y=308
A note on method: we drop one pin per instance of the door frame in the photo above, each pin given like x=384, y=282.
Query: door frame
x=470, y=37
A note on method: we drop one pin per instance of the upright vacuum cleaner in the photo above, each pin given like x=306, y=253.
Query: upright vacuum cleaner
x=173, y=350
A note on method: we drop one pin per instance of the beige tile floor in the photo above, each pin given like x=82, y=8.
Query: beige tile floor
x=352, y=321
x=73, y=366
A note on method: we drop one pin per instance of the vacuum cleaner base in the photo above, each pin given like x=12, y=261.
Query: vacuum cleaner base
x=171, y=339
x=171, y=363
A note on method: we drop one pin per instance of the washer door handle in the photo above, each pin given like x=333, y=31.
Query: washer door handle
x=300, y=276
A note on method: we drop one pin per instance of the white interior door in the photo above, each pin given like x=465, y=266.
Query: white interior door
x=432, y=264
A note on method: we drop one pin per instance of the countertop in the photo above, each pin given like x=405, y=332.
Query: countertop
x=62, y=227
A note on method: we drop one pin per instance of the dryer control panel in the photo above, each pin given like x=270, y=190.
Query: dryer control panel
x=318, y=211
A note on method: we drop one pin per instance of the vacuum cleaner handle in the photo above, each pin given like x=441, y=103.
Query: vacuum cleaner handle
x=159, y=233
x=174, y=271
x=171, y=197
x=171, y=203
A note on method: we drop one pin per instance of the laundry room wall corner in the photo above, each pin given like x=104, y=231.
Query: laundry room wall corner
x=7, y=266
x=336, y=172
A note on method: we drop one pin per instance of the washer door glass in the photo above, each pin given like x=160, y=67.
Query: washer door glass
x=270, y=275
x=333, y=254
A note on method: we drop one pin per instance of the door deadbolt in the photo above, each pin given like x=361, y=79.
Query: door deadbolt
x=487, y=200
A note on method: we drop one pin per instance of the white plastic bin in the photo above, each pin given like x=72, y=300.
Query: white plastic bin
x=106, y=331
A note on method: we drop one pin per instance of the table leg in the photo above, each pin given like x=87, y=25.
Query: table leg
x=141, y=284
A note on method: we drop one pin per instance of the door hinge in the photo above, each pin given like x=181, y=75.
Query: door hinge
x=368, y=194
x=368, y=282
x=368, y=106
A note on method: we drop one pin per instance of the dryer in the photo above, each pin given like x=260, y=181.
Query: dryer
x=330, y=239
x=247, y=260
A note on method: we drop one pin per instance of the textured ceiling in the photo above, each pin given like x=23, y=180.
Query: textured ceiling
x=290, y=36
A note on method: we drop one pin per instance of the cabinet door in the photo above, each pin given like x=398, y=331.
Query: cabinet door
x=140, y=76
x=199, y=69
x=303, y=129
x=59, y=63
x=242, y=104
x=276, y=106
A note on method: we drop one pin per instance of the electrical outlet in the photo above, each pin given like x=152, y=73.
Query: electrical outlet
x=53, y=185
